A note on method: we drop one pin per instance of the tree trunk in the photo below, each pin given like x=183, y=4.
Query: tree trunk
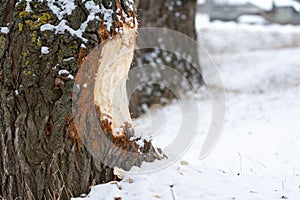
x=42, y=47
x=177, y=15
x=173, y=14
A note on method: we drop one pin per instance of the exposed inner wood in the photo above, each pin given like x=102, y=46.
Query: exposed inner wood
x=103, y=76
x=110, y=86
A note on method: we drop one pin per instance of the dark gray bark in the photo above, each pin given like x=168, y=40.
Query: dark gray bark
x=40, y=157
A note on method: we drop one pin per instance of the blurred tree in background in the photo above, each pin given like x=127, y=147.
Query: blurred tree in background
x=177, y=15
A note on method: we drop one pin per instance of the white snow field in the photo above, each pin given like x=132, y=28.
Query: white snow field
x=228, y=37
x=258, y=155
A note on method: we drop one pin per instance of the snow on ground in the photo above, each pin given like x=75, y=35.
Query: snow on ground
x=227, y=37
x=265, y=4
x=282, y=68
x=257, y=156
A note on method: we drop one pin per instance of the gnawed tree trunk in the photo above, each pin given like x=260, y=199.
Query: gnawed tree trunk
x=177, y=15
x=41, y=154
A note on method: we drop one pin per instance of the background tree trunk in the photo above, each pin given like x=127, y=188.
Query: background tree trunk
x=177, y=15
x=173, y=14
x=40, y=157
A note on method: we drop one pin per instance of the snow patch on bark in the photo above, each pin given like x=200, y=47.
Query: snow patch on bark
x=62, y=27
x=66, y=73
x=61, y=7
x=4, y=30
x=28, y=8
x=45, y=50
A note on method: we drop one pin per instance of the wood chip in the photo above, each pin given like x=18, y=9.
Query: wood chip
x=184, y=162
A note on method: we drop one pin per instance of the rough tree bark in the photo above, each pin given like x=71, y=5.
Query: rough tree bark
x=42, y=46
x=177, y=15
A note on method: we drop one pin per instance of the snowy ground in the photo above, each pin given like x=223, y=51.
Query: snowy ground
x=229, y=37
x=257, y=156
